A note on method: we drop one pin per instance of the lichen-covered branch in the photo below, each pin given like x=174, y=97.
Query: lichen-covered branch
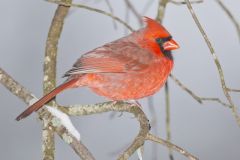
x=21, y=92
x=49, y=80
x=182, y=151
x=55, y=124
x=48, y=145
x=14, y=87
x=94, y=10
x=217, y=63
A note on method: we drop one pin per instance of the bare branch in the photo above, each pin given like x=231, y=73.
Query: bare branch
x=21, y=92
x=111, y=11
x=233, y=90
x=134, y=11
x=79, y=110
x=92, y=9
x=48, y=145
x=232, y=18
x=182, y=2
x=56, y=125
x=15, y=88
x=161, y=10
x=196, y=97
x=168, y=128
x=217, y=63
x=153, y=123
x=49, y=80
x=147, y=6
x=170, y=145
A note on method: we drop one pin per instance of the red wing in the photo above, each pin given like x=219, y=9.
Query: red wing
x=115, y=57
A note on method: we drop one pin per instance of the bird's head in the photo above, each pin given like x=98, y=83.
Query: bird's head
x=157, y=37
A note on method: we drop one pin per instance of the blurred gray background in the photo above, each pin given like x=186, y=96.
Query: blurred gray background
x=208, y=131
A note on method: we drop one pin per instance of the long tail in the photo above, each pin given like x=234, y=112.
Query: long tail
x=37, y=105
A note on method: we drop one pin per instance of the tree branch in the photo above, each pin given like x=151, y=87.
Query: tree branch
x=49, y=80
x=80, y=110
x=232, y=18
x=182, y=2
x=21, y=92
x=134, y=11
x=217, y=63
x=92, y=9
x=111, y=11
x=170, y=145
x=196, y=97
x=161, y=10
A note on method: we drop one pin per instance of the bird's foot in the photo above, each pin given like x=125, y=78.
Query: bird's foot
x=135, y=103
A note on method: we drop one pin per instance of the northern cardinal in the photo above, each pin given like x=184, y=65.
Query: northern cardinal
x=129, y=68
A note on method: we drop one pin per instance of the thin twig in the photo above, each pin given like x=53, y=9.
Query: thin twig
x=153, y=123
x=230, y=15
x=233, y=90
x=217, y=63
x=111, y=11
x=171, y=145
x=134, y=11
x=126, y=20
x=182, y=2
x=92, y=9
x=168, y=128
x=147, y=6
x=196, y=97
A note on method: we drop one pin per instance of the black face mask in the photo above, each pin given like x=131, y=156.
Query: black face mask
x=160, y=42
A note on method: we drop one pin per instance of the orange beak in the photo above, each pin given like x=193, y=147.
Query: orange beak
x=170, y=45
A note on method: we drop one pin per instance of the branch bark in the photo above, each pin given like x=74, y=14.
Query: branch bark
x=21, y=92
x=49, y=80
x=80, y=110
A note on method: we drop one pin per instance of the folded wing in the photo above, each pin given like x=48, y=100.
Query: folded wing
x=115, y=57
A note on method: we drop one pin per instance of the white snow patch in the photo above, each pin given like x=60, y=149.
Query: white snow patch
x=139, y=153
x=65, y=120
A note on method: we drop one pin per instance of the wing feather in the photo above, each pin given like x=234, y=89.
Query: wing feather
x=115, y=57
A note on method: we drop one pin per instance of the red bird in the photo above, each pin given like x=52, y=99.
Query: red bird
x=129, y=68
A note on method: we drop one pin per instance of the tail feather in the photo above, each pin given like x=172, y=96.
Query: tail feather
x=37, y=105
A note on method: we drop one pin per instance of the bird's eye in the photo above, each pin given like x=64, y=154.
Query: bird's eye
x=160, y=41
